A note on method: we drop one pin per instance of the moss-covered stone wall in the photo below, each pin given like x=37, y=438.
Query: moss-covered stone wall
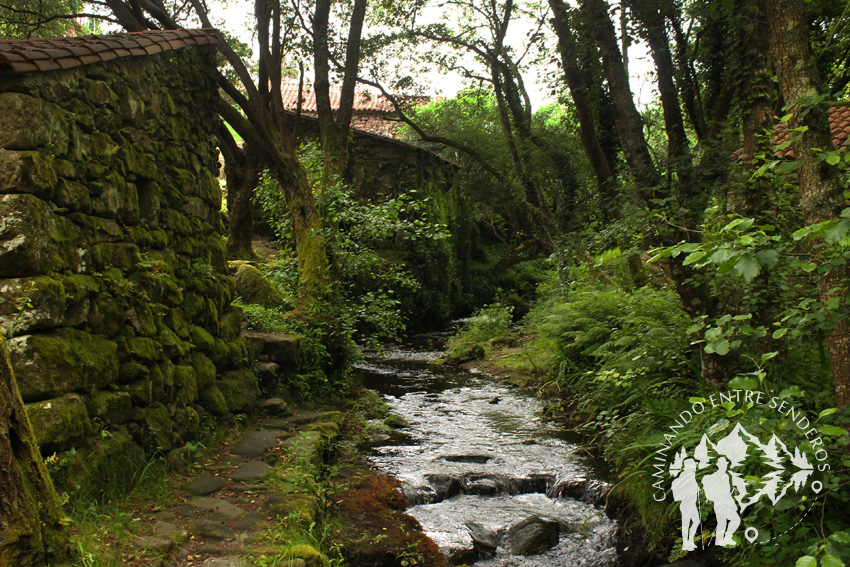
x=113, y=284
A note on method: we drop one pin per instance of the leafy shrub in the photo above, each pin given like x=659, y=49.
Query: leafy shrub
x=370, y=282
x=488, y=323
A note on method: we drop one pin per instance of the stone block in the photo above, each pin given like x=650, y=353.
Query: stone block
x=34, y=240
x=143, y=348
x=27, y=172
x=59, y=422
x=155, y=428
x=239, y=388
x=29, y=123
x=31, y=304
x=111, y=407
x=47, y=365
x=214, y=401
x=205, y=371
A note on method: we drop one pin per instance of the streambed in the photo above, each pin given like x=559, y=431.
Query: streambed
x=477, y=460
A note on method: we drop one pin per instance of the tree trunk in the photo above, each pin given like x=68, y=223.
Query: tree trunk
x=626, y=116
x=605, y=180
x=314, y=275
x=242, y=172
x=820, y=184
x=31, y=532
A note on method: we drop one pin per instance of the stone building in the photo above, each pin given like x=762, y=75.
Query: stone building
x=372, y=112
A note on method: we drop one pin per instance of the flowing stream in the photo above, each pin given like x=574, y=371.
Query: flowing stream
x=490, y=481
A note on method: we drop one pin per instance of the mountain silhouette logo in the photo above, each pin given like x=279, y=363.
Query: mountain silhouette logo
x=732, y=474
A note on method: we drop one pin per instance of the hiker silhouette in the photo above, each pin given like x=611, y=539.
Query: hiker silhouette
x=686, y=490
x=718, y=488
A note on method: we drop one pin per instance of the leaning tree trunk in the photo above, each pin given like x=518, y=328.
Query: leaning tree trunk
x=31, y=533
x=820, y=183
x=242, y=172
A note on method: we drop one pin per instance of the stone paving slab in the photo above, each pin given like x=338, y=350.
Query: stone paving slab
x=252, y=470
x=218, y=507
x=204, y=485
x=254, y=443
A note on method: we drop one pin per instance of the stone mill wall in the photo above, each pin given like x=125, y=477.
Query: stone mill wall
x=113, y=284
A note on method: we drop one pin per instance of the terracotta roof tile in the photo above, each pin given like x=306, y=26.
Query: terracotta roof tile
x=363, y=101
x=32, y=55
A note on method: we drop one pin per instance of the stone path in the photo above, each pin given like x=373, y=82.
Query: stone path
x=240, y=493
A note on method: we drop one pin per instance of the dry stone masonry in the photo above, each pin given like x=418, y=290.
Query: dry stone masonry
x=113, y=283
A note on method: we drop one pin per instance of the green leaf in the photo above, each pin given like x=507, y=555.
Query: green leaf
x=824, y=413
x=767, y=258
x=779, y=333
x=808, y=266
x=831, y=561
x=746, y=223
x=787, y=117
x=833, y=430
x=807, y=561
x=837, y=232
x=788, y=166
x=727, y=265
x=742, y=383
x=747, y=267
x=839, y=537
x=721, y=255
x=694, y=257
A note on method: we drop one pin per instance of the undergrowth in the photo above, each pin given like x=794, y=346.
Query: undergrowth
x=622, y=364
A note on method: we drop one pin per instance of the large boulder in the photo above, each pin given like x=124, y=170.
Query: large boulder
x=253, y=287
x=533, y=535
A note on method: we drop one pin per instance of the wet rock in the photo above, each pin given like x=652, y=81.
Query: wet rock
x=396, y=422
x=531, y=536
x=479, y=459
x=445, y=486
x=580, y=488
x=495, y=400
x=487, y=487
x=376, y=439
x=220, y=508
x=254, y=443
x=252, y=470
x=485, y=541
x=204, y=485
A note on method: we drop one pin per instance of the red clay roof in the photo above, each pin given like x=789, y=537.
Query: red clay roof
x=363, y=101
x=839, y=120
x=33, y=55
